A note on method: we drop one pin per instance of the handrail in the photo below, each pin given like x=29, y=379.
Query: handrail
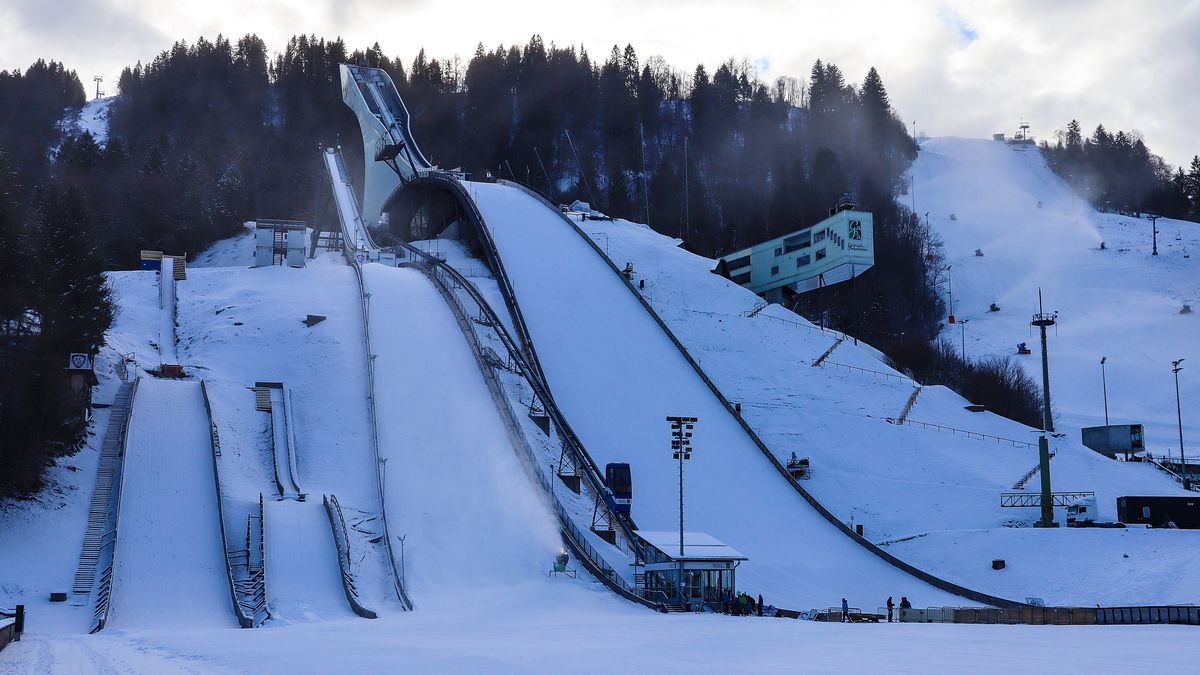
x=341, y=541
x=819, y=363
x=244, y=620
x=968, y=433
x=104, y=589
x=932, y=580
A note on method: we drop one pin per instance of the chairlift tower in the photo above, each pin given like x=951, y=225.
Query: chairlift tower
x=1043, y=321
x=97, y=79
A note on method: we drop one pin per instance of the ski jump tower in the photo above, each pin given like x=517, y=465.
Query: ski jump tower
x=390, y=154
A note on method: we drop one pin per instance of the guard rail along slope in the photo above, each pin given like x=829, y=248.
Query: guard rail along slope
x=341, y=540
x=932, y=580
x=106, y=554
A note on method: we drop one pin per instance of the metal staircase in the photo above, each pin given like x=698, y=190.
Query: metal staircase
x=101, y=529
x=908, y=405
x=821, y=359
x=1020, y=485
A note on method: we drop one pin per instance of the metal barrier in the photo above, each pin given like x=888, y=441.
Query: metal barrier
x=969, y=434
x=245, y=612
x=875, y=374
x=1054, y=616
x=341, y=540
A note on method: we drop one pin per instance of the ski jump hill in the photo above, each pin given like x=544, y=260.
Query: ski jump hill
x=427, y=429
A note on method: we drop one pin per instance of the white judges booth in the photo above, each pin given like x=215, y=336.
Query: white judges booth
x=700, y=575
x=277, y=242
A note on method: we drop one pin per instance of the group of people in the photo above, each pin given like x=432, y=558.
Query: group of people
x=891, y=605
x=742, y=604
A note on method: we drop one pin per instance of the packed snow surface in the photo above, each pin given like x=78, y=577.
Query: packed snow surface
x=1120, y=302
x=471, y=516
x=617, y=376
x=304, y=580
x=170, y=560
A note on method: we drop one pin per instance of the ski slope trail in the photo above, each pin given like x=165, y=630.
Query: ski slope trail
x=304, y=581
x=170, y=560
x=474, y=521
x=1120, y=302
x=617, y=375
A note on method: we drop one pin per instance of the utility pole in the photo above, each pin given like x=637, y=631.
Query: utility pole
x=686, y=228
x=1104, y=384
x=963, y=326
x=1175, y=368
x=1153, y=230
x=645, y=176
x=950, y=285
x=1043, y=321
x=681, y=446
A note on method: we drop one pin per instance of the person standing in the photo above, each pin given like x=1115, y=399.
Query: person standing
x=890, y=605
x=760, y=604
x=845, y=611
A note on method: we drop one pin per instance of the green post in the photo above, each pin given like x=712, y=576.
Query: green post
x=1044, y=469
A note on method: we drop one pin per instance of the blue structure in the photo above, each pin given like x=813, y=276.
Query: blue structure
x=619, y=481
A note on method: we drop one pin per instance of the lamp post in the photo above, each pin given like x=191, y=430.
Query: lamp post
x=1175, y=368
x=1104, y=384
x=1154, y=231
x=681, y=446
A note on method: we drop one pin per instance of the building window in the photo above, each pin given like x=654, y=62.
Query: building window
x=820, y=236
x=821, y=254
x=743, y=278
x=778, y=252
x=735, y=263
x=775, y=270
x=797, y=242
x=803, y=260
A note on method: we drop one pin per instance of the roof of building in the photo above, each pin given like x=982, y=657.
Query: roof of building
x=696, y=546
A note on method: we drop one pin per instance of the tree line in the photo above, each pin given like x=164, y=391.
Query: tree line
x=1118, y=172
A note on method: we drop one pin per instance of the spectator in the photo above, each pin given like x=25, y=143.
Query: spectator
x=845, y=611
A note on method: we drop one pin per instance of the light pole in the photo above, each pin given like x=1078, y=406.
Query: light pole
x=1175, y=368
x=1104, y=384
x=1043, y=320
x=681, y=446
x=1153, y=230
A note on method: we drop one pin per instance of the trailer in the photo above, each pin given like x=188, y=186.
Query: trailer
x=1180, y=512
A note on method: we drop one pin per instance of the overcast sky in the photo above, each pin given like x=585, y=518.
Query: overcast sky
x=955, y=67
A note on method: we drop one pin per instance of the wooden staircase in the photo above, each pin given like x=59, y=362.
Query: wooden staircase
x=102, y=510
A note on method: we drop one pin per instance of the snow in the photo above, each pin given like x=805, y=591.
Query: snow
x=304, y=581
x=472, y=519
x=91, y=117
x=617, y=376
x=170, y=560
x=1120, y=302
x=586, y=632
x=696, y=545
x=919, y=491
x=235, y=251
x=166, y=329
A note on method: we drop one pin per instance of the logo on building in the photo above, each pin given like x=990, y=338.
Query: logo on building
x=856, y=230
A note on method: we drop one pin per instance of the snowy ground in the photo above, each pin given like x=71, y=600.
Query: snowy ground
x=935, y=494
x=1120, y=302
x=584, y=633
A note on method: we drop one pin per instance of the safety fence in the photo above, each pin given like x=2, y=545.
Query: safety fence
x=1057, y=616
x=12, y=625
x=969, y=434
x=341, y=540
x=859, y=370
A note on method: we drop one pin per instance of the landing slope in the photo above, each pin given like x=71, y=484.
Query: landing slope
x=474, y=521
x=617, y=376
x=170, y=562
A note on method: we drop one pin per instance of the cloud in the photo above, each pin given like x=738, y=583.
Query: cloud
x=956, y=21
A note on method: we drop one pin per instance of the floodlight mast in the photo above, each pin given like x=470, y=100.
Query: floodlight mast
x=681, y=446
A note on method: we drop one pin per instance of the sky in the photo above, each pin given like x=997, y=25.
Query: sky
x=956, y=68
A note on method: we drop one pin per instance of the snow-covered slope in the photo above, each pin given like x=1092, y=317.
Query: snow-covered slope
x=1120, y=302
x=921, y=491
